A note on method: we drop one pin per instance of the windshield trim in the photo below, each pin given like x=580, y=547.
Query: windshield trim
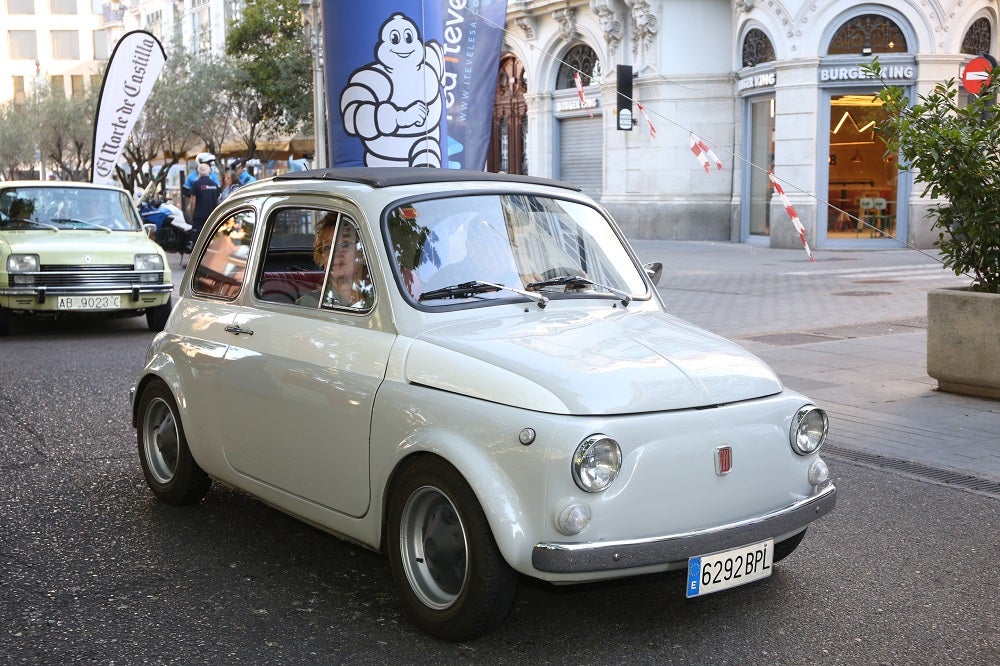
x=502, y=297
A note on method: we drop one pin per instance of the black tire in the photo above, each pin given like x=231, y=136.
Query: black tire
x=156, y=318
x=170, y=238
x=787, y=547
x=4, y=323
x=455, y=593
x=170, y=470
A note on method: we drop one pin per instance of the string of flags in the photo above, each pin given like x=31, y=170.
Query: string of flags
x=579, y=91
x=706, y=157
x=703, y=153
x=792, y=214
x=652, y=130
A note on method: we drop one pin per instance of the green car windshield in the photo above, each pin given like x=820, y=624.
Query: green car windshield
x=485, y=247
x=67, y=208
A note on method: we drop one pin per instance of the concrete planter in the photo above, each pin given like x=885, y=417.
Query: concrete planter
x=963, y=341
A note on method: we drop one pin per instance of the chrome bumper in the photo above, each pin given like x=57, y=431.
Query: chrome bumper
x=612, y=555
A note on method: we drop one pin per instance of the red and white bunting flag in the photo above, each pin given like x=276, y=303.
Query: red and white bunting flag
x=652, y=130
x=579, y=91
x=703, y=153
x=792, y=214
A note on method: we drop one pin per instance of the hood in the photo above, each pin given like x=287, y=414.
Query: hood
x=588, y=363
x=72, y=246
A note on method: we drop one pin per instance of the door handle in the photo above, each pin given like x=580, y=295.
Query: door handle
x=235, y=329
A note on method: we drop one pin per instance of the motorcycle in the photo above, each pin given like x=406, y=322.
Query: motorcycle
x=171, y=232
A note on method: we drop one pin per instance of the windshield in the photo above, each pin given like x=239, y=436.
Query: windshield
x=522, y=242
x=67, y=208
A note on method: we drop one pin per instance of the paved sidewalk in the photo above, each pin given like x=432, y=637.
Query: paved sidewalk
x=849, y=331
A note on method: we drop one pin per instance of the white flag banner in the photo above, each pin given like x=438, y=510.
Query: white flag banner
x=133, y=68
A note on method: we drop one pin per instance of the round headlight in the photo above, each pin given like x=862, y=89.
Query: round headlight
x=596, y=463
x=809, y=428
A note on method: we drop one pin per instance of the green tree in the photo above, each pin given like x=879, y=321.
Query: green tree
x=953, y=149
x=274, y=71
x=65, y=134
x=17, y=140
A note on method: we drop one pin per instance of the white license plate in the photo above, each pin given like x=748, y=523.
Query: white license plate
x=89, y=302
x=720, y=571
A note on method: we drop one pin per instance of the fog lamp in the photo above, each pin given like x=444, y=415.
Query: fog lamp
x=819, y=473
x=573, y=519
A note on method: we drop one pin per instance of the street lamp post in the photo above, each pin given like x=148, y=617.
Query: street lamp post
x=313, y=24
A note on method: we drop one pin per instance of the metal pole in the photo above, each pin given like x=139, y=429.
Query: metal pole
x=319, y=96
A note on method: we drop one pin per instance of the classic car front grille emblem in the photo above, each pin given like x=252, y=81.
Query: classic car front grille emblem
x=723, y=460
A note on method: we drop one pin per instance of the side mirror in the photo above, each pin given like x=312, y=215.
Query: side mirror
x=655, y=271
x=150, y=229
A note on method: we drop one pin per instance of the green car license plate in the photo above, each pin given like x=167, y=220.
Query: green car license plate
x=89, y=302
x=729, y=568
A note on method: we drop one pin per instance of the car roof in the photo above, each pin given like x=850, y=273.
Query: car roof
x=65, y=184
x=380, y=177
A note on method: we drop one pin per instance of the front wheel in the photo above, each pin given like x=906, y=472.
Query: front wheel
x=170, y=470
x=156, y=318
x=453, y=582
x=4, y=323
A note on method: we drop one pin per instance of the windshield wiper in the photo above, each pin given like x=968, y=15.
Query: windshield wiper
x=579, y=281
x=73, y=220
x=473, y=287
x=45, y=225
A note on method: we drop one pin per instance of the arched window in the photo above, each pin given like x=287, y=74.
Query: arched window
x=867, y=34
x=978, y=37
x=757, y=48
x=581, y=58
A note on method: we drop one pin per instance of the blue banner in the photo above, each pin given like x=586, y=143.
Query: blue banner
x=473, y=39
x=411, y=82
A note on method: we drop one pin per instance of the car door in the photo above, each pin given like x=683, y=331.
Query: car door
x=303, y=368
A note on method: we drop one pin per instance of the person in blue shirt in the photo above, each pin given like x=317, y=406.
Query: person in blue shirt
x=241, y=172
x=203, y=158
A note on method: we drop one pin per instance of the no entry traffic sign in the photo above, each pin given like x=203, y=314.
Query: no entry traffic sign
x=976, y=74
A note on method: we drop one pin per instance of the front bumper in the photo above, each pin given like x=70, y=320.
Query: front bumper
x=567, y=558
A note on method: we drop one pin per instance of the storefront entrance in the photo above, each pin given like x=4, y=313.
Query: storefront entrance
x=863, y=192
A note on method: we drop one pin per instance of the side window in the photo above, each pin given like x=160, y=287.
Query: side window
x=302, y=264
x=222, y=267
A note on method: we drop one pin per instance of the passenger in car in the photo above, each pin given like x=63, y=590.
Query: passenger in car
x=348, y=272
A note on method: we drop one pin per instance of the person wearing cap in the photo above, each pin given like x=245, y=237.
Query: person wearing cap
x=204, y=198
x=244, y=176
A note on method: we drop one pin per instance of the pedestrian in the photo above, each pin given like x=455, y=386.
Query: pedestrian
x=242, y=174
x=300, y=164
x=203, y=158
x=204, y=198
x=230, y=183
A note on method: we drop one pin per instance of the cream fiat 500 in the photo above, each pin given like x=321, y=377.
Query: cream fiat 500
x=473, y=374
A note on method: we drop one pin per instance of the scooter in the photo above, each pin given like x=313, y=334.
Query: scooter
x=171, y=232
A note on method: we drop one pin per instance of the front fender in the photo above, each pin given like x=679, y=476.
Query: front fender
x=480, y=439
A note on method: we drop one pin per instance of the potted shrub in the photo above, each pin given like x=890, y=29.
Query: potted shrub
x=953, y=152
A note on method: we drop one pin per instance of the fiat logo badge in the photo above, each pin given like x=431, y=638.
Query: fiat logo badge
x=723, y=460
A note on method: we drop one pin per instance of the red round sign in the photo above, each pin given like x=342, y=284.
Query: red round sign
x=976, y=75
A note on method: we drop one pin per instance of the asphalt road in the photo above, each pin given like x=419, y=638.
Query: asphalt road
x=94, y=570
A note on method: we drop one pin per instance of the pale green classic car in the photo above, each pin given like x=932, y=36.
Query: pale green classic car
x=69, y=248
x=473, y=374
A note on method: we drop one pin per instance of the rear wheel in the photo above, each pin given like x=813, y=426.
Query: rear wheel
x=453, y=582
x=170, y=470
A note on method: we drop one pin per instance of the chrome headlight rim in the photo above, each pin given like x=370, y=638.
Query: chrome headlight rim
x=809, y=429
x=596, y=463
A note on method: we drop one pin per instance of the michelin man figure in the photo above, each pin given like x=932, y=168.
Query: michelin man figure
x=394, y=104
